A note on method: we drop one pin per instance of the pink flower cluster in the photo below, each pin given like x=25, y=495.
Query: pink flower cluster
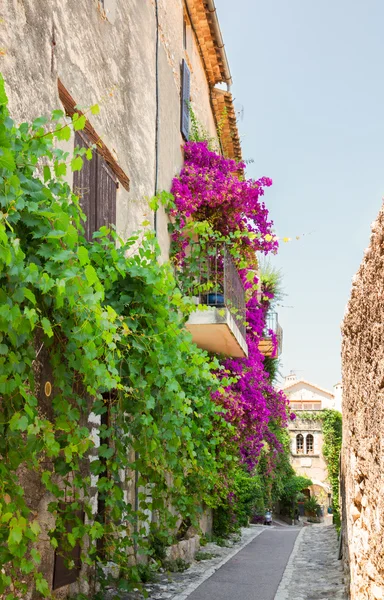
x=209, y=188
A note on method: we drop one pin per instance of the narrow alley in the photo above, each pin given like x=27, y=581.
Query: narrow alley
x=269, y=563
x=191, y=381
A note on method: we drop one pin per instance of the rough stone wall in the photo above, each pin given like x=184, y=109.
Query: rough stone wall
x=362, y=484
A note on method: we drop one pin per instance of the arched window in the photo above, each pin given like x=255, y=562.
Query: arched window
x=309, y=441
x=299, y=444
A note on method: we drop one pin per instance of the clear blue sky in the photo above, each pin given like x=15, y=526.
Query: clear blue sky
x=309, y=81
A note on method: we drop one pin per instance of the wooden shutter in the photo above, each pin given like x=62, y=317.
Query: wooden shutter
x=105, y=195
x=96, y=186
x=185, y=96
x=62, y=574
x=84, y=186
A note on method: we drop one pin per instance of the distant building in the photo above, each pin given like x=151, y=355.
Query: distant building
x=306, y=401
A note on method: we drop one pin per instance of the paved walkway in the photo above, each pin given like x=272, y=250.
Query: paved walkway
x=313, y=571
x=269, y=563
x=255, y=572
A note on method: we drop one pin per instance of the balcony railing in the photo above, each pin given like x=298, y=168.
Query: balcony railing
x=267, y=343
x=215, y=282
x=220, y=284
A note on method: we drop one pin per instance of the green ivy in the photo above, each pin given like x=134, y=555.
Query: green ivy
x=107, y=322
x=332, y=435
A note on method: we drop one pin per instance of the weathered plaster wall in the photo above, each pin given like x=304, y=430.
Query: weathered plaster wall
x=113, y=64
x=363, y=423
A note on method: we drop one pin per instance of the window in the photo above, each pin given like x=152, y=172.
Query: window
x=309, y=443
x=185, y=97
x=299, y=444
x=305, y=405
x=96, y=186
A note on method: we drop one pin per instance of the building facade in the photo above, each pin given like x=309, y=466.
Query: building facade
x=143, y=62
x=306, y=401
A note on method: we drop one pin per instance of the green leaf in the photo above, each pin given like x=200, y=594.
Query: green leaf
x=64, y=133
x=47, y=173
x=3, y=95
x=105, y=452
x=26, y=566
x=89, y=154
x=30, y=295
x=91, y=275
x=7, y=160
x=79, y=123
x=15, y=534
x=77, y=163
x=18, y=422
x=57, y=115
x=83, y=255
x=60, y=169
x=42, y=585
x=95, y=109
x=35, y=527
x=6, y=517
x=46, y=325
x=39, y=122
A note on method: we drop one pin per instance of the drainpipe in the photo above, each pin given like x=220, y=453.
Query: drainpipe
x=221, y=47
x=157, y=112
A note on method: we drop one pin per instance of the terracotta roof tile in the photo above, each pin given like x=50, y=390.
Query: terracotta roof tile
x=209, y=44
x=225, y=116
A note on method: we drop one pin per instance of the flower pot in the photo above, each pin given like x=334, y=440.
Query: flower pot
x=215, y=299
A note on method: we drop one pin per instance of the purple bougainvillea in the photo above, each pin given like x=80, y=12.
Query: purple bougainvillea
x=209, y=188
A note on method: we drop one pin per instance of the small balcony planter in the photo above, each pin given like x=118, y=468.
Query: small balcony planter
x=220, y=328
x=215, y=299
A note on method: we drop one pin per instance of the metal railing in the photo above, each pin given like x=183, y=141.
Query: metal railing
x=272, y=324
x=220, y=284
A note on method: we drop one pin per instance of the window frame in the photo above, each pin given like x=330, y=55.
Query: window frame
x=309, y=443
x=299, y=442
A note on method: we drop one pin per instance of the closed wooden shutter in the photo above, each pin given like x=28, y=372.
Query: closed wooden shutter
x=62, y=573
x=185, y=96
x=96, y=186
x=105, y=195
x=84, y=186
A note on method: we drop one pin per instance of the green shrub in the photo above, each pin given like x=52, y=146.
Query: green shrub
x=176, y=566
x=311, y=505
x=204, y=556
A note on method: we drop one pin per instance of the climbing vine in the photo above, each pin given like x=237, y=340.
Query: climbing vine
x=332, y=435
x=92, y=342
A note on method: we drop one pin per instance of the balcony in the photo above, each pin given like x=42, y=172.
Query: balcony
x=272, y=331
x=220, y=327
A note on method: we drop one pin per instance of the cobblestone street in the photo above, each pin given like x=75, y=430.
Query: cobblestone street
x=313, y=571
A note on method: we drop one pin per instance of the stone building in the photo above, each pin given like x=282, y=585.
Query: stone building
x=362, y=482
x=142, y=61
x=307, y=401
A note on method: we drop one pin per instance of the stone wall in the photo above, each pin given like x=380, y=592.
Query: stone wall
x=362, y=482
